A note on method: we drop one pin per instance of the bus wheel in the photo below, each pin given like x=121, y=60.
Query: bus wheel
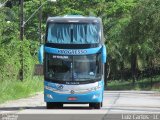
x=60, y=105
x=97, y=105
x=52, y=105
x=91, y=105
x=101, y=104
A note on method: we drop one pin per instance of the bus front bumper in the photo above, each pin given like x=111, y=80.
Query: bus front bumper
x=93, y=96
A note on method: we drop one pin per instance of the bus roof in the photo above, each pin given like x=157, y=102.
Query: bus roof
x=74, y=18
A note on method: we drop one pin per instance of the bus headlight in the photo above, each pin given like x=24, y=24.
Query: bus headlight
x=49, y=88
x=95, y=88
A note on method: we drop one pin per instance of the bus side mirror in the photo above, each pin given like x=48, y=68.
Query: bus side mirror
x=104, y=54
x=40, y=54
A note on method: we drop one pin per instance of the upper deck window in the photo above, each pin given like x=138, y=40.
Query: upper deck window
x=73, y=33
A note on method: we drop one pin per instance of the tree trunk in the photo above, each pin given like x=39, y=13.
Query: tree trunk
x=134, y=66
x=106, y=72
x=121, y=69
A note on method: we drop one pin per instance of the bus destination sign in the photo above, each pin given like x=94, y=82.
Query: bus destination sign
x=72, y=52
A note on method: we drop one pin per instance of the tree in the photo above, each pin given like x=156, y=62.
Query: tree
x=141, y=32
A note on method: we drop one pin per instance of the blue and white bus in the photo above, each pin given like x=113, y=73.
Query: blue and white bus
x=73, y=57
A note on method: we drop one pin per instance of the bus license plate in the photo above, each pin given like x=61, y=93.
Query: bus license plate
x=72, y=98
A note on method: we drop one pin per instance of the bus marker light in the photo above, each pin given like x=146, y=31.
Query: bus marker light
x=49, y=96
x=95, y=96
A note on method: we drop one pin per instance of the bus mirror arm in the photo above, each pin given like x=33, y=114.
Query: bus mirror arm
x=43, y=39
x=40, y=54
x=104, y=54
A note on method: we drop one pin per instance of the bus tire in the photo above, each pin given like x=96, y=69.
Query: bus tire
x=91, y=105
x=49, y=105
x=97, y=105
x=52, y=105
x=101, y=104
x=60, y=105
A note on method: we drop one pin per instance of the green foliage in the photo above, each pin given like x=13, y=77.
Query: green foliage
x=131, y=31
x=10, y=49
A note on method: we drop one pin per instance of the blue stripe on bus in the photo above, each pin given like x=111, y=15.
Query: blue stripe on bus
x=72, y=51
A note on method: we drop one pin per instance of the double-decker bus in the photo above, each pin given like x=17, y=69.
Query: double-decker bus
x=73, y=58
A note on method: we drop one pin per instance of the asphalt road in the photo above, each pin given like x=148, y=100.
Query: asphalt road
x=117, y=105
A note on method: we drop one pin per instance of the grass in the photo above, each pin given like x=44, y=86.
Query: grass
x=15, y=89
x=143, y=84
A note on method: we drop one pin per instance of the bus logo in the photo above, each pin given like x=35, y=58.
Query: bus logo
x=72, y=92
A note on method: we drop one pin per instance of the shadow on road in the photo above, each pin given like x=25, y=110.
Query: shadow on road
x=42, y=107
x=20, y=108
x=120, y=108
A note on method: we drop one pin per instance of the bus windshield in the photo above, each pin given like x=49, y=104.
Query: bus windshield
x=73, y=33
x=73, y=68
